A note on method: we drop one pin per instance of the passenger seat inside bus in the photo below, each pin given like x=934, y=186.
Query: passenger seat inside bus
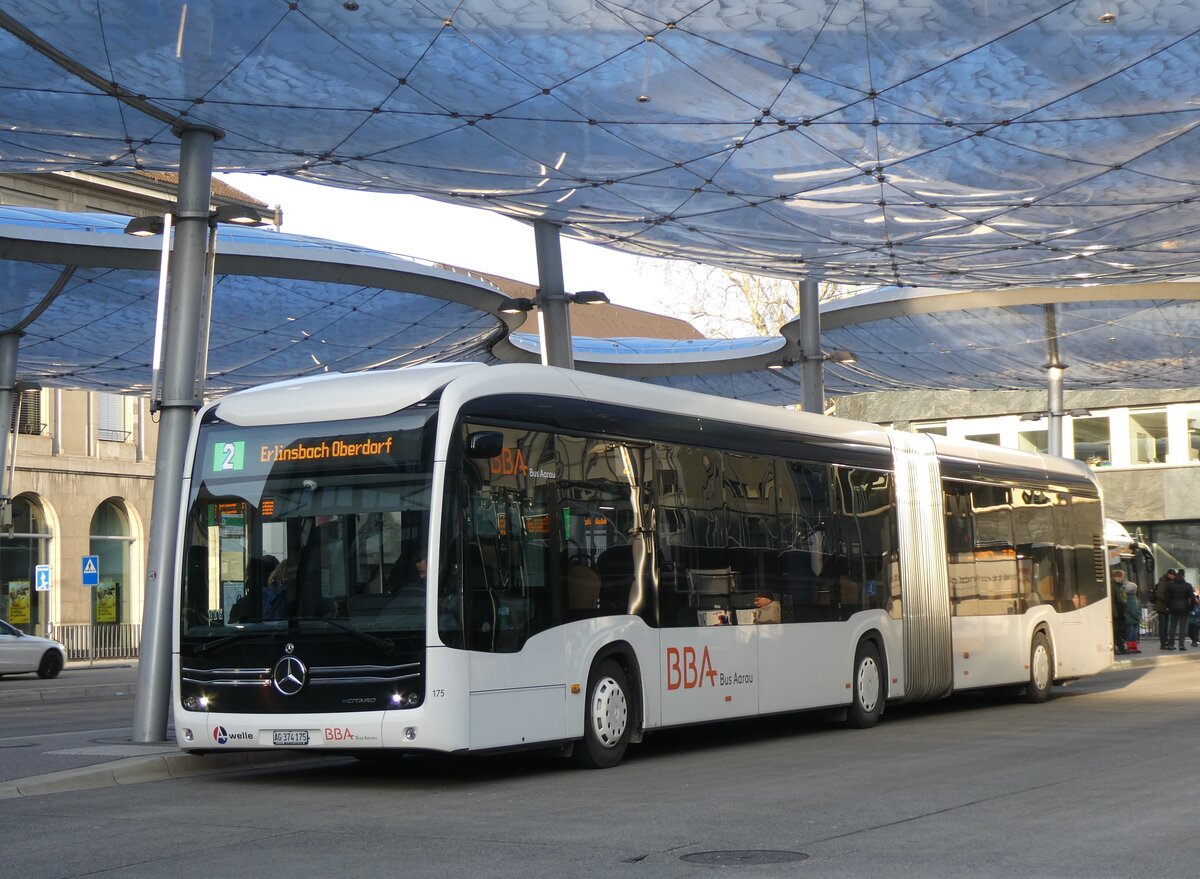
x=583, y=589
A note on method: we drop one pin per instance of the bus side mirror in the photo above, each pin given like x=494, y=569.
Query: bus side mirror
x=485, y=444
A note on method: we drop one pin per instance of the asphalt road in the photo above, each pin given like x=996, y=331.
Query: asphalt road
x=1095, y=783
x=80, y=718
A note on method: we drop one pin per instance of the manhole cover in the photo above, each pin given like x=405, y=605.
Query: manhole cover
x=749, y=858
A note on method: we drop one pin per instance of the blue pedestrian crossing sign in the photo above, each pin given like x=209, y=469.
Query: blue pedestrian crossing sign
x=91, y=570
x=41, y=578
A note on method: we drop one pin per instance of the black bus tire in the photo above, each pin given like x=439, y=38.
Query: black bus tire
x=1041, y=669
x=869, y=687
x=607, y=719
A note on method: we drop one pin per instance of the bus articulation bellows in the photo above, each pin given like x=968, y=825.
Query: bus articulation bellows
x=465, y=558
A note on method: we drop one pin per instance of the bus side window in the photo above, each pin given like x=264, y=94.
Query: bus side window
x=806, y=540
x=597, y=486
x=1088, y=538
x=691, y=533
x=753, y=539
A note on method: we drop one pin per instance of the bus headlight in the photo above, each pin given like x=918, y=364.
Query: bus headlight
x=410, y=733
x=196, y=703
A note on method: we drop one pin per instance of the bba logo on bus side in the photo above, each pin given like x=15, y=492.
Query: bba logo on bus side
x=682, y=670
x=687, y=670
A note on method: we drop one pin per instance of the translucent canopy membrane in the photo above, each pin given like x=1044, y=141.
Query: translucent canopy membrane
x=84, y=296
x=935, y=143
x=1126, y=336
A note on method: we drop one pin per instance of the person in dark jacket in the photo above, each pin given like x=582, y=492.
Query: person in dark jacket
x=1159, y=596
x=1194, y=621
x=1118, y=611
x=1133, y=618
x=1180, y=599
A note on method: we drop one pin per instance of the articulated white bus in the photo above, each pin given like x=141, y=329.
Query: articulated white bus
x=466, y=558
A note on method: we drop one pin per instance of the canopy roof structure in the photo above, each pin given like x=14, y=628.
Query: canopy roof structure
x=83, y=296
x=1113, y=337
x=933, y=143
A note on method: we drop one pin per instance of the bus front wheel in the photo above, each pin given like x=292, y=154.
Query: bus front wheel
x=1041, y=670
x=606, y=721
x=869, y=687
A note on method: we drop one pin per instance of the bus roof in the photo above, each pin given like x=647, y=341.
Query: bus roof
x=341, y=396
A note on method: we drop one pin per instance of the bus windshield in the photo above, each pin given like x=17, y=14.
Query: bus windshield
x=309, y=527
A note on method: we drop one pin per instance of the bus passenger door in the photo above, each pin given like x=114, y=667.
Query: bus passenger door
x=512, y=606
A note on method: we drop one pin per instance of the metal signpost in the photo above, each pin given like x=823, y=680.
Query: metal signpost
x=41, y=583
x=91, y=579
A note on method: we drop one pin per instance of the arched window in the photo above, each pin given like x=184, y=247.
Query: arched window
x=23, y=546
x=110, y=541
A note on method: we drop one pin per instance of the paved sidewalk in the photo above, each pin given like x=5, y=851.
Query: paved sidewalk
x=1153, y=655
x=155, y=762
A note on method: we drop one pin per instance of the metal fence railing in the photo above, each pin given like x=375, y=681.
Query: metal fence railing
x=1149, y=623
x=100, y=641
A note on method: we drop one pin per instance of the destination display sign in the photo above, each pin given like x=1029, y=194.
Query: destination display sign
x=230, y=455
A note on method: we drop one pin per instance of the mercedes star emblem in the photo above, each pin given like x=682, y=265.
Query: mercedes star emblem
x=289, y=676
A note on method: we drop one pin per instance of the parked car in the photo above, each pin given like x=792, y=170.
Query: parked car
x=21, y=653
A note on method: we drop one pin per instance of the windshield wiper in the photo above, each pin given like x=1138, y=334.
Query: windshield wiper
x=384, y=644
x=228, y=639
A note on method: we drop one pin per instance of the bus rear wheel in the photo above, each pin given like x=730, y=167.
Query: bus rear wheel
x=1041, y=670
x=869, y=686
x=606, y=720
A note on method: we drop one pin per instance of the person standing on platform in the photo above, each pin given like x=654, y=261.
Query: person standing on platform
x=1180, y=600
x=1118, y=611
x=1159, y=597
x=1194, y=619
x=1133, y=618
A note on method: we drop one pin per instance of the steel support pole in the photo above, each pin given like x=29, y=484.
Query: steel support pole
x=554, y=315
x=9, y=344
x=179, y=382
x=1054, y=400
x=1054, y=384
x=812, y=367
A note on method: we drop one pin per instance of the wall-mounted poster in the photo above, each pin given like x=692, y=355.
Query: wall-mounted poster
x=106, y=601
x=18, y=601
